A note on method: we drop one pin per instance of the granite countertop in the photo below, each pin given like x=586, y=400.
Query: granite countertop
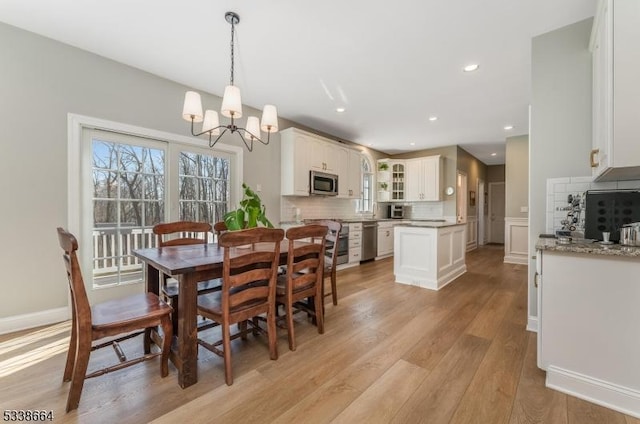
x=429, y=224
x=588, y=247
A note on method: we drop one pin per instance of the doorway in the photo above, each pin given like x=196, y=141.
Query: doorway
x=496, y=212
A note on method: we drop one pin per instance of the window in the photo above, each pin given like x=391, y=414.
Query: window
x=366, y=201
x=127, y=184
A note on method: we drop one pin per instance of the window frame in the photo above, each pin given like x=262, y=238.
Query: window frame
x=82, y=224
x=371, y=186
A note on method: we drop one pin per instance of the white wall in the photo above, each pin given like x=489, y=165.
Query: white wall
x=560, y=136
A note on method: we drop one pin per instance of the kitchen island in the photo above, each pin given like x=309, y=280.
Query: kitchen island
x=429, y=254
x=588, y=312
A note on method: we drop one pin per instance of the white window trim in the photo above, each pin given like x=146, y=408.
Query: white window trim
x=76, y=124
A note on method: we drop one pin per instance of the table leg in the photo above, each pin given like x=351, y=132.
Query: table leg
x=152, y=280
x=187, y=330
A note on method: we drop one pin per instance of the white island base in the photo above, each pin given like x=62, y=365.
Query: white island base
x=429, y=256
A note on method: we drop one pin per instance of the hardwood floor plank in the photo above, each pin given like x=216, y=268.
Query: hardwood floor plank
x=583, y=412
x=437, y=398
x=380, y=402
x=490, y=395
x=534, y=403
x=374, y=337
x=490, y=317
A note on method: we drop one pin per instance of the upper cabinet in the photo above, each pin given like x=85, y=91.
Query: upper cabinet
x=397, y=181
x=301, y=152
x=616, y=92
x=423, y=179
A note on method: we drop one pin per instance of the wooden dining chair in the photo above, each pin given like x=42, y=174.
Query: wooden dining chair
x=304, y=277
x=181, y=233
x=219, y=228
x=331, y=256
x=116, y=318
x=248, y=290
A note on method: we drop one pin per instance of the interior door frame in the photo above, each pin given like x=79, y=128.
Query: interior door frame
x=480, y=213
x=461, y=197
x=491, y=185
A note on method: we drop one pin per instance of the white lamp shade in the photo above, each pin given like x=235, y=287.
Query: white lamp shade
x=231, y=102
x=192, y=107
x=210, y=122
x=269, y=119
x=253, y=127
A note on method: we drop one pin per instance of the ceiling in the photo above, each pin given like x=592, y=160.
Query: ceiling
x=390, y=65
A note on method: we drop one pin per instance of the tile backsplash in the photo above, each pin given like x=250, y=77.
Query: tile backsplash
x=316, y=207
x=558, y=191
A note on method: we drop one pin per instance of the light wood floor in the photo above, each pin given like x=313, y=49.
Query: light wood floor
x=390, y=354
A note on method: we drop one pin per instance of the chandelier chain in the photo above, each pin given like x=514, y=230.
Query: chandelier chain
x=233, y=27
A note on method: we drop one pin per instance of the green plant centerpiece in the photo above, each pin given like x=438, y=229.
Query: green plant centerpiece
x=250, y=213
x=383, y=166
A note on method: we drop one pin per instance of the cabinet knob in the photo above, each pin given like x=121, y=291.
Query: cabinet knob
x=594, y=152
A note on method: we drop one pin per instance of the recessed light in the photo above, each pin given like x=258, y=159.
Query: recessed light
x=369, y=144
x=412, y=144
x=340, y=109
x=493, y=154
x=508, y=127
x=471, y=67
x=433, y=118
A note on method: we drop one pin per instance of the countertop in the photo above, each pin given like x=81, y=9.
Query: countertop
x=429, y=224
x=593, y=248
x=356, y=220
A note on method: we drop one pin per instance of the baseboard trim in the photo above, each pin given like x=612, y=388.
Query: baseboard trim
x=517, y=260
x=612, y=396
x=35, y=319
x=532, y=324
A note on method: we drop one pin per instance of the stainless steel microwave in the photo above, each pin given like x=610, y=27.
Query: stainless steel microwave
x=323, y=184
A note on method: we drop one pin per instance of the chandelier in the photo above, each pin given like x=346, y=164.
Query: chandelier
x=231, y=108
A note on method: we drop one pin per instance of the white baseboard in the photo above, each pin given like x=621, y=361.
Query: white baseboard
x=35, y=319
x=516, y=259
x=612, y=396
x=532, y=324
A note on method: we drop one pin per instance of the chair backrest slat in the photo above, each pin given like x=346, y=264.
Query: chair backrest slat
x=249, y=275
x=187, y=232
x=305, y=263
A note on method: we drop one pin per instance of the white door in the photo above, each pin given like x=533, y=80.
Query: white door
x=461, y=198
x=496, y=213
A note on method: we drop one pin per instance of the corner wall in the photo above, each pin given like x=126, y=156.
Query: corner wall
x=560, y=136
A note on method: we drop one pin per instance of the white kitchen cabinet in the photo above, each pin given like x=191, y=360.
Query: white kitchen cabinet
x=294, y=163
x=429, y=256
x=301, y=152
x=385, y=238
x=323, y=155
x=397, y=181
x=423, y=179
x=355, y=243
x=354, y=175
x=588, y=327
x=615, y=153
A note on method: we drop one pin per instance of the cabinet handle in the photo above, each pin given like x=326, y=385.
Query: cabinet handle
x=594, y=152
x=387, y=233
x=535, y=279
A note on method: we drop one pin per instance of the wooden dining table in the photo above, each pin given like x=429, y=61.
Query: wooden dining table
x=189, y=265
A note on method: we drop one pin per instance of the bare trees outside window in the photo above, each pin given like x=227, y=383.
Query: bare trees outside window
x=130, y=196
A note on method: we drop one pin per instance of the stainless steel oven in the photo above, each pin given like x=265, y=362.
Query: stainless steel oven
x=343, y=245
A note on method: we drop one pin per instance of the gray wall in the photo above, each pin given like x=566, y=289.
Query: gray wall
x=41, y=81
x=560, y=134
x=516, y=176
x=495, y=173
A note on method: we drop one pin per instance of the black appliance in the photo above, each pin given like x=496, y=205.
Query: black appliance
x=609, y=210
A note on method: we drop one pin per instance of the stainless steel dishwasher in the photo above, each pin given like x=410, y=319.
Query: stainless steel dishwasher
x=369, y=240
